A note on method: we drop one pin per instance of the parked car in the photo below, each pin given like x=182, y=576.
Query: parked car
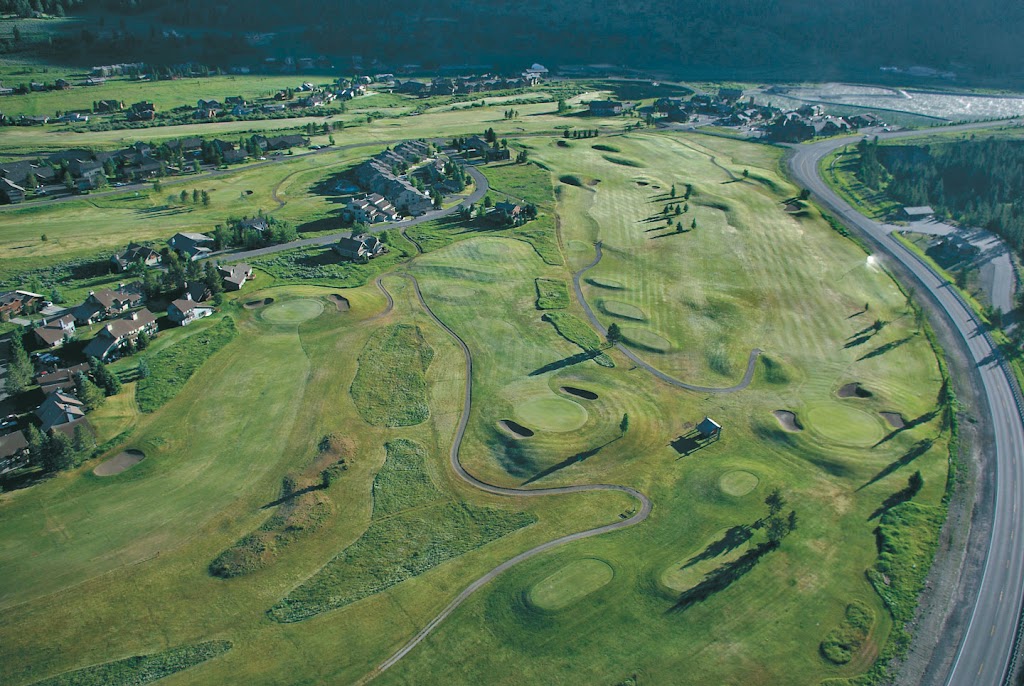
x=9, y=422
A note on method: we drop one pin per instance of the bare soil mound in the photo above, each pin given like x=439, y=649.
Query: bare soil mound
x=579, y=392
x=788, y=420
x=253, y=304
x=895, y=419
x=119, y=463
x=854, y=390
x=340, y=301
x=515, y=428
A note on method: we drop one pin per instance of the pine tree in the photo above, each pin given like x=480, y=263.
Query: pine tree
x=19, y=368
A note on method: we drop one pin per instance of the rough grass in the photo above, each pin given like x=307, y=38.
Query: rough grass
x=141, y=669
x=320, y=265
x=390, y=388
x=410, y=535
x=171, y=368
x=575, y=330
x=552, y=294
x=843, y=642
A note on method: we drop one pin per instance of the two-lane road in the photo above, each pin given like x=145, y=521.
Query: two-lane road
x=989, y=639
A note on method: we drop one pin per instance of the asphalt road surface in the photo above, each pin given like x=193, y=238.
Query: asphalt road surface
x=986, y=648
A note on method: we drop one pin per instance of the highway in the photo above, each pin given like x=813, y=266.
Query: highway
x=985, y=653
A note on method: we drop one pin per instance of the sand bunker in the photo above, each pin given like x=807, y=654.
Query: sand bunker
x=895, y=419
x=253, y=304
x=792, y=207
x=610, y=284
x=119, y=463
x=641, y=183
x=515, y=428
x=579, y=392
x=854, y=390
x=341, y=302
x=788, y=420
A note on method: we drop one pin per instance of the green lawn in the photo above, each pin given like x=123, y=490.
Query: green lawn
x=127, y=558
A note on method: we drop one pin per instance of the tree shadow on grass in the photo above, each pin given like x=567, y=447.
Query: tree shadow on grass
x=883, y=349
x=923, y=419
x=859, y=340
x=568, y=462
x=723, y=577
x=690, y=442
x=919, y=449
x=732, y=539
x=292, y=496
x=566, y=362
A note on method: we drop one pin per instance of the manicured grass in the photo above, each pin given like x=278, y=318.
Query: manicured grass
x=170, y=369
x=840, y=423
x=552, y=294
x=141, y=669
x=292, y=312
x=621, y=309
x=390, y=386
x=399, y=544
x=570, y=583
x=738, y=482
x=551, y=414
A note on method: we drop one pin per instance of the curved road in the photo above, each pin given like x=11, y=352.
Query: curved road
x=986, y=649
x=744, y=382
x=636, y=518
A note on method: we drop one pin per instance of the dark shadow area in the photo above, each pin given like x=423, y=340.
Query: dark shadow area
x=512, y=454
x=859, y=340
x=291, y=496
x=568, y=462
x=919, y=449
x=566, y=362
x=690, y=442
x=923, y=419
x=732, y=539
x=883, y=349
x=723, y=577
x=899, y=497
x=23, y=478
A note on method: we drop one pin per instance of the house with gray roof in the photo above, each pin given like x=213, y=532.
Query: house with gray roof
x=120, y=333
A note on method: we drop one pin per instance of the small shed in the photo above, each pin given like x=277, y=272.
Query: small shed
x=709, y=428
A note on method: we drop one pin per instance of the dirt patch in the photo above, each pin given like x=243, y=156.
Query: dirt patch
x=119, y=463
x=895, y=419
x=788, y=420
x=579, y=392
x=253, y=304
x=854, y=390
x=791, y=207
x=515, y=428
x=593, y=182
x=340, y=301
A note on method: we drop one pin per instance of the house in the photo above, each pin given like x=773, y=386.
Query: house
x=235, y=275
x=916, y=213
x=34, y=120
x=135, y=253
x=282, y=142
x=208, y=105
x=37, y=87
x=142, y=111
x=13, y=303
x=730, y=95
x=59, y=408
x=509, y=211
x=60, y=379
x=62, y=85
x=10, y=192
x=361, y=247
x=372, y=209
x=104, y=106
x=195, y=245
x=197, y=291
x=184, y=311
x=120, y=334
x=104, y=304
x=609, y=108
x=13, y=451
x=257, y=223
x=74, y=118
x=487, y=150
x=53, y=333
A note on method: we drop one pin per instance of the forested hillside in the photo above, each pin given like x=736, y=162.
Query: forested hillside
x=761, y=38
x=977, y=182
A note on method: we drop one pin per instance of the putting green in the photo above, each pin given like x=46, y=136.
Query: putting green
x=843, y=424
x=624, y=310
x=645, y=339
x=293, y=311
x=491, y=248
x=570, y=583
x=737, y=482
x=551, y=414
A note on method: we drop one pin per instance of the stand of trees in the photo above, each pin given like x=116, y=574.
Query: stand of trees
x=976, y=182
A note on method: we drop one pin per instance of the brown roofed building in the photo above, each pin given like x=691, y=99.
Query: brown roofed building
x=185, y=311
x=60, y=379
x=120, y=334
x=235, y=275
x=55, y=332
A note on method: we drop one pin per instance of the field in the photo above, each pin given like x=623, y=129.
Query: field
x=399, y=535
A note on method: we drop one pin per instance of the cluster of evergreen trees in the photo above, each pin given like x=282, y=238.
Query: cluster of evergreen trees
x=976, y=182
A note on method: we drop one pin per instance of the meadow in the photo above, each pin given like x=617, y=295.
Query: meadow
x=402, y=535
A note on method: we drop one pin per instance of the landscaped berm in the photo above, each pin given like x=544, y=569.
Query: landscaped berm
x=297, y=519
